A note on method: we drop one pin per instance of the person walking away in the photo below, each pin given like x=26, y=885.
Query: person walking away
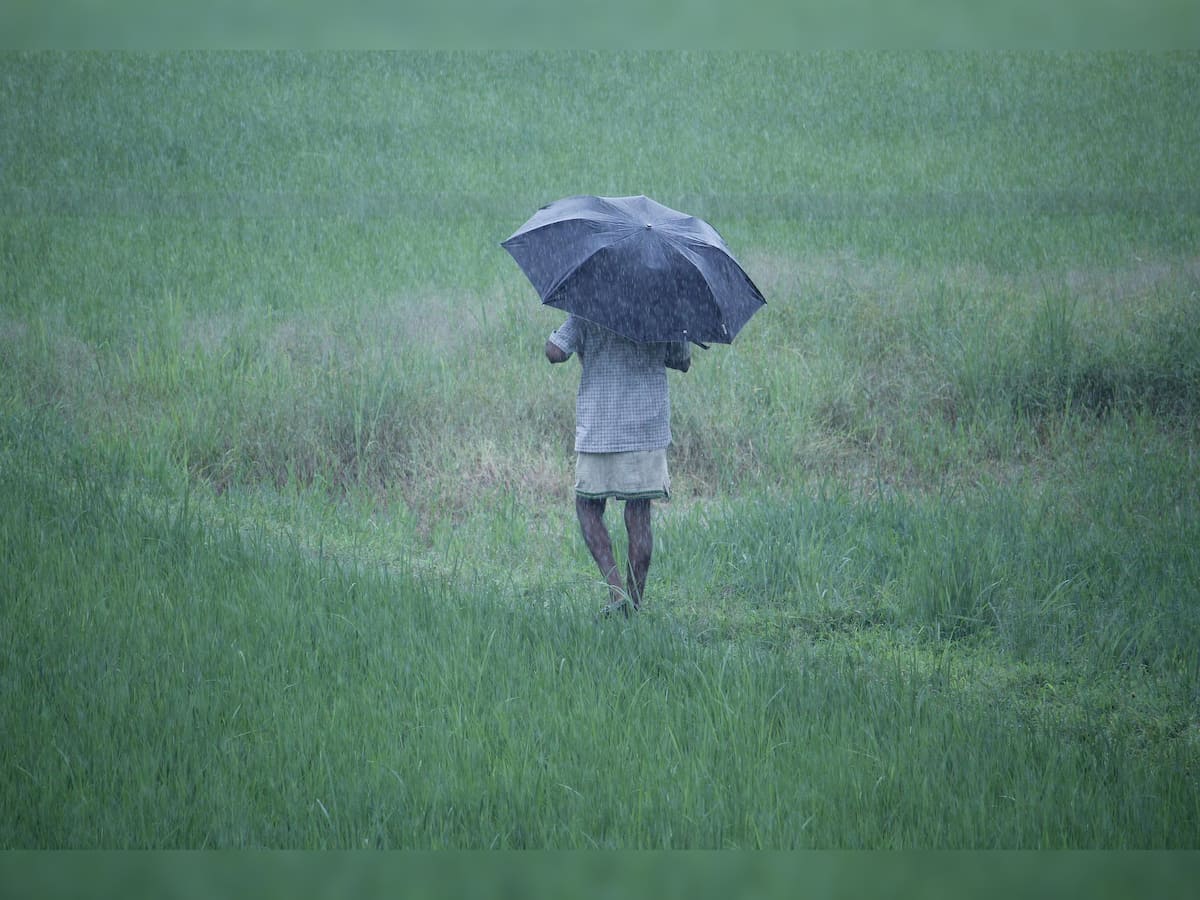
x=622, y=431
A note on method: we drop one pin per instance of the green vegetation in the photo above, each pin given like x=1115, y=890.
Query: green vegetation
x=288, y=549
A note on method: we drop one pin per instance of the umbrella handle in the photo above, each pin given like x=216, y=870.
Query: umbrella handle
x=700, y=345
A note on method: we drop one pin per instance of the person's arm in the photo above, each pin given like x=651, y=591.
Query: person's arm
x=565, y=341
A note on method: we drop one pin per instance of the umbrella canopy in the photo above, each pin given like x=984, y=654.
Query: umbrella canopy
x=636, y=267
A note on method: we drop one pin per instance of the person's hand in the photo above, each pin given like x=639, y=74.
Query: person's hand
x=680, y=366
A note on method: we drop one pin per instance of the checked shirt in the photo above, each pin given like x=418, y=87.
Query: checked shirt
x=623, y=403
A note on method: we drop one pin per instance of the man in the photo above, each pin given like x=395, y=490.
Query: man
x=622, y=430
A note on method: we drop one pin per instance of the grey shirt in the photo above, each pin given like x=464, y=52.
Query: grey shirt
x=623, y=403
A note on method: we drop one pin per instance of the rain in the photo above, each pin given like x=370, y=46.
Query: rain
x=300, y=528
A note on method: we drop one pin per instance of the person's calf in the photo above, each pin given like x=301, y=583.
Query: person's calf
x=599, y=543
x=641, y=548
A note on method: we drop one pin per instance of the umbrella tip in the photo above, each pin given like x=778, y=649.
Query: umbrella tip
x=647, y=226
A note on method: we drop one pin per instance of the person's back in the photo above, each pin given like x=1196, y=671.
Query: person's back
x=624, y=401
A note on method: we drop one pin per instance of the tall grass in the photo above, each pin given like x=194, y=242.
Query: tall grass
x=289, y=552
x=151, y=705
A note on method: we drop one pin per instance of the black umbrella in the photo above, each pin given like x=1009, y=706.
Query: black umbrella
x=635, y=267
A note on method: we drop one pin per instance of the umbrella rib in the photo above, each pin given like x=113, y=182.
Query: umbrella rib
x=710, y=297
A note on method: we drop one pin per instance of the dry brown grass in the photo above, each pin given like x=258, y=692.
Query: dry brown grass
x=850, y=373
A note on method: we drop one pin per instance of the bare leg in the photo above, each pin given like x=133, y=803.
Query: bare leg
x=641, y=546
x=595, y=534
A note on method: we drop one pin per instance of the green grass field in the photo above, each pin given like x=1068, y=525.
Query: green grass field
x=288, y=546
